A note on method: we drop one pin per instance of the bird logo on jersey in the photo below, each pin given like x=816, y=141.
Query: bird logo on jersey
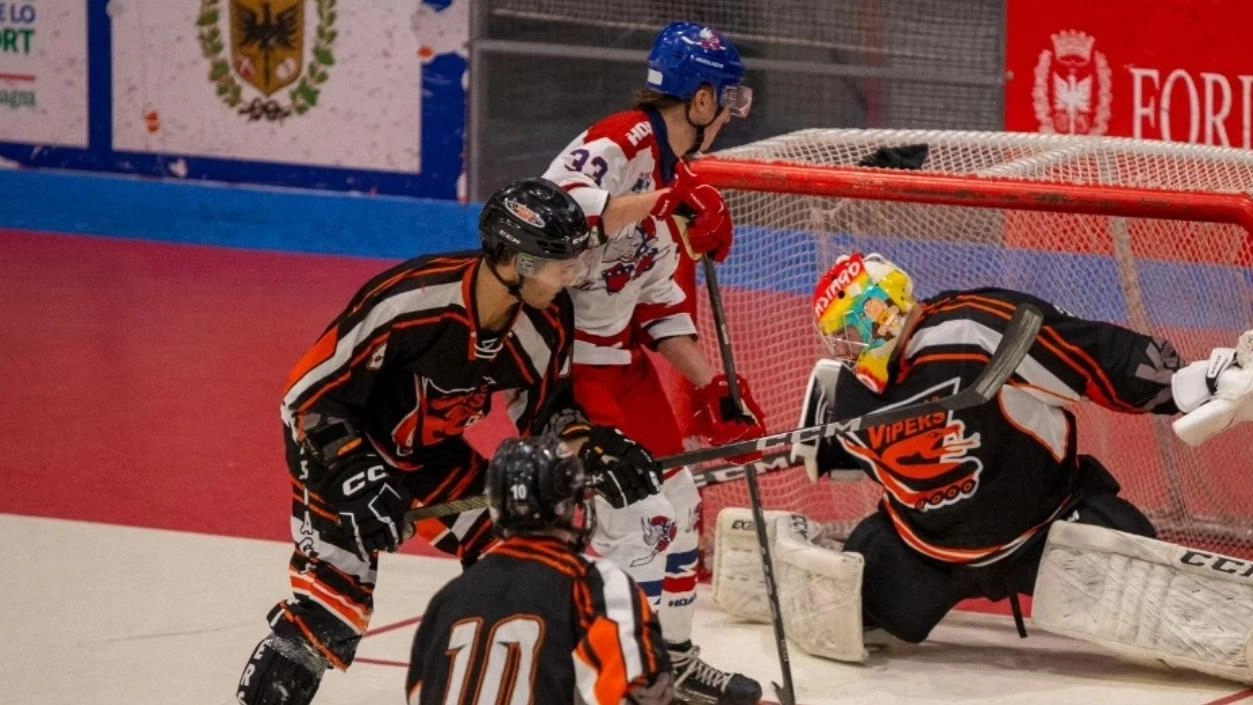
x=440, y=414
x=659, y=531
x=631, y=264
x=924, y=462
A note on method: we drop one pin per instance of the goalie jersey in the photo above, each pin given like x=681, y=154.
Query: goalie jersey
x=535, y=622
x=630, y=295
x=971, y=486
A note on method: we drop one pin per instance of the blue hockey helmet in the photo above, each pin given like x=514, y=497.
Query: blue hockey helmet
x=687, y=55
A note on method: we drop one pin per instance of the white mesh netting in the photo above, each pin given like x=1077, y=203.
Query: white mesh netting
x=1186, y=280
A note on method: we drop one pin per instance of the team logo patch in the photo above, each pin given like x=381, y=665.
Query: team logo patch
x=1072, y=95
x=923, y=462
x=441, y=414
x=628, y=259
x=658, y=532
x=523, y=212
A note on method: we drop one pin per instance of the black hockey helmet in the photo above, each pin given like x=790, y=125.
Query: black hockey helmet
x=533, y=217
x=535, y=484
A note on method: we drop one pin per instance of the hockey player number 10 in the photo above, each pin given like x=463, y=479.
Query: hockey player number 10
x=512, y=658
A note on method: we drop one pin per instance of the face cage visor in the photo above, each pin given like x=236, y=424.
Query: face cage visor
x=738, y=100
x=555, y=273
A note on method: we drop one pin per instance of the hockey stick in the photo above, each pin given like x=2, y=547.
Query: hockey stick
x=786, y=693
x=706, y=477
x=1016, y=341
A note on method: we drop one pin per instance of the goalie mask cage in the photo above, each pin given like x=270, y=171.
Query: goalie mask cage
x=1151, y=235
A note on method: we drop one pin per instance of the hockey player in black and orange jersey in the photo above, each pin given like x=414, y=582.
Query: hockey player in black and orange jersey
x=374, y=416
x=968, y=495
x=535, y=621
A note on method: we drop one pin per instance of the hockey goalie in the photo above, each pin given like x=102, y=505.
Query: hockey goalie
x=994, y=501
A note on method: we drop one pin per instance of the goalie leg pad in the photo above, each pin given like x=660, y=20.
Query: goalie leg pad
x=739, y=587
x=819, y=593
x=819, y=588
x=1147, y=600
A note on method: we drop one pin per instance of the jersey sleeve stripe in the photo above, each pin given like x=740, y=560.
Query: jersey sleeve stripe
x=1099, y=385
x=382, y=316
x=604, y=639
x=1099, y=382
x=1095, y=383
x=321, y=351
x=428, y=270
x=621, y=606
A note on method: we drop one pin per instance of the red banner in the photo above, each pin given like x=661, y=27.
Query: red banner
x=1176, y=70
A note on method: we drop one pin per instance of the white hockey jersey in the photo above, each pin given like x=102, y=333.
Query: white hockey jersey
x=630, y=295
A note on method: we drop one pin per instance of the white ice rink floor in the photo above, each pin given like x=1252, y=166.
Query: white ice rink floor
x=106, y=615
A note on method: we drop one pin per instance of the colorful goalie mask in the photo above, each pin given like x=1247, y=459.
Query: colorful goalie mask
x=859, y=308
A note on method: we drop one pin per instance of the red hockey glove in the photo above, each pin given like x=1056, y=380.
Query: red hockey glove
x=709, y=229
x=721, y=423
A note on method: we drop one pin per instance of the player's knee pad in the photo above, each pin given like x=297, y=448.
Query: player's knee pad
x=281, y=671
x=1147, y=600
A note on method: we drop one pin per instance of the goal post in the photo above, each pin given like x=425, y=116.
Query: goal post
x=1154, y=236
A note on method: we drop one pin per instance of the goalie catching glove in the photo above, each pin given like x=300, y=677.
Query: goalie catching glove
x=357, y=488
x=618, y=468
x=721, y=422
x=705, y=226
x=1214, y=394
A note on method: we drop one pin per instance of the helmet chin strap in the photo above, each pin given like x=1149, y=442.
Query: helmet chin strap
x=514, y=288
x=700, y=129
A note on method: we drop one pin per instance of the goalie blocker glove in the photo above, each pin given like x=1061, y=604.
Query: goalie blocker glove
x=357, y=487
x=618, y=468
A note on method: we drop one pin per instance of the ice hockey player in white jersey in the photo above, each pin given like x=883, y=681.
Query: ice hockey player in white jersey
x=628, y=174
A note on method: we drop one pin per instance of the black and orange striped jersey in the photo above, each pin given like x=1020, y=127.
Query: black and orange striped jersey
x=407, y=362
x=971, y=486
x=535, y=622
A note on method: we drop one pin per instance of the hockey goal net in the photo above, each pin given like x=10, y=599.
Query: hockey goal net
x=1155, y=236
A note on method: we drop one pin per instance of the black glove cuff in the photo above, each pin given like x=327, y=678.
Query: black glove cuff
x=332, y=438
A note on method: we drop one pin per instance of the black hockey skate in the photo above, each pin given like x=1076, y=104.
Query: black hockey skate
x=698, y=683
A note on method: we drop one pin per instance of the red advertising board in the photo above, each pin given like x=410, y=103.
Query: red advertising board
x=1177, y=70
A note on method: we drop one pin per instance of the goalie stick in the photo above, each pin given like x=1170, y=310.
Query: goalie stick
x=1017, y=340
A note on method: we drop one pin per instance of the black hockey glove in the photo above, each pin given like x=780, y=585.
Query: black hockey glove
x=618, y=467
x=359, y=489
